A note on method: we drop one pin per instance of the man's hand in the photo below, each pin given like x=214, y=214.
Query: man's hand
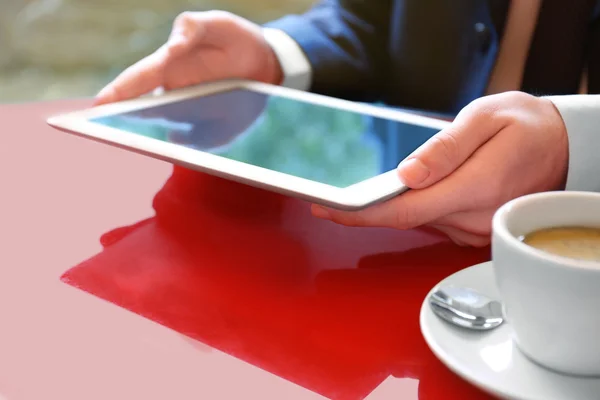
x=498, y=148
x=203, y=46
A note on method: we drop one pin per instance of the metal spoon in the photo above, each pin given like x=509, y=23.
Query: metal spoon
x=466, y=308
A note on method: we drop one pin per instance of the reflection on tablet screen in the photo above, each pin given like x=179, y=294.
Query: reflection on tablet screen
x=311, y=141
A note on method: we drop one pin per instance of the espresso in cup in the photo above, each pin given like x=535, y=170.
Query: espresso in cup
x=545, y=254
x=581, y=243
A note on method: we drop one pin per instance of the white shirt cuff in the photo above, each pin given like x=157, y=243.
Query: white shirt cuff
x=581, y=115
x=296, y=68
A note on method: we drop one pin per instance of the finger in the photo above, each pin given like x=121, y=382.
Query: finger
x=188, y=31
x=449, y=233
x=451, y=147
x=476, y=222
x=139, y=79
x=462, y=238
x=211, y=28
x=149, y=73
x=406, y=211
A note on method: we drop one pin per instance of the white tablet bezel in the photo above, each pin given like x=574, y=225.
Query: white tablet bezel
x=354, y=197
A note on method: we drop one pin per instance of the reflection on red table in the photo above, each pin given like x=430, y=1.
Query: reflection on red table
x=299, y=307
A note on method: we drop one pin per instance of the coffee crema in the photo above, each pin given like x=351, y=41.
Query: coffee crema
x=573, y=242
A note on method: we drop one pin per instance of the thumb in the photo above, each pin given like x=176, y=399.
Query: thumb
x=450, y=148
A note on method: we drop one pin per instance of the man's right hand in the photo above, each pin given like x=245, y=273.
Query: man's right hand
x=202, y=47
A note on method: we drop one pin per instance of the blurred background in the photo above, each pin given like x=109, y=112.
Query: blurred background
x=52, y=49
x=56, y=49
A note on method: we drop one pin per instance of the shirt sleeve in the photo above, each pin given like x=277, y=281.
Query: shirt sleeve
x=581, y=115
x=296, y=68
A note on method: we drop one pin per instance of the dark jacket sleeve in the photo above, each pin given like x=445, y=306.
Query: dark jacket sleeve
x=345, y=42
x=593, y=61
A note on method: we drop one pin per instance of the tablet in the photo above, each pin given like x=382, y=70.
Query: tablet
x=332, y=152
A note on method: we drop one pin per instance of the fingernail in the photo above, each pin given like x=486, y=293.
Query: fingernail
x=413, y=171
x=321, y=212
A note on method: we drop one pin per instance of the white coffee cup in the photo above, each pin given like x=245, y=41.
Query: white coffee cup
x=551, y=303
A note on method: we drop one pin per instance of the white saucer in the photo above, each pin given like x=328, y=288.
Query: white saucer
x=490, y=360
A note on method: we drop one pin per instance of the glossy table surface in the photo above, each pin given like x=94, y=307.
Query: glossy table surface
x=123, y=277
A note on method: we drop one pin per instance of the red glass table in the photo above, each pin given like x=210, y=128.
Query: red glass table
x=123, y=277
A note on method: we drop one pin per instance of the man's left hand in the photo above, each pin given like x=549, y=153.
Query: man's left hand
x=498, y=148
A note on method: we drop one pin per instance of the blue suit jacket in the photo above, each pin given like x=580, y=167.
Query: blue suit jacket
x=438, y=54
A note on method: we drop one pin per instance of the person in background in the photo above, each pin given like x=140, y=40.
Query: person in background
x=522, y=78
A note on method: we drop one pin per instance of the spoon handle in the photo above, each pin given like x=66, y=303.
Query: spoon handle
x=463, y=319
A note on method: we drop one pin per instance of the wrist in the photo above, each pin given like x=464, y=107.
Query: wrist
x=273, y=73
x=291, y=67
x=562, y=142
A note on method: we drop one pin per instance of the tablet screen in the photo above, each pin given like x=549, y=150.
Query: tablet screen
x=320, y=143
